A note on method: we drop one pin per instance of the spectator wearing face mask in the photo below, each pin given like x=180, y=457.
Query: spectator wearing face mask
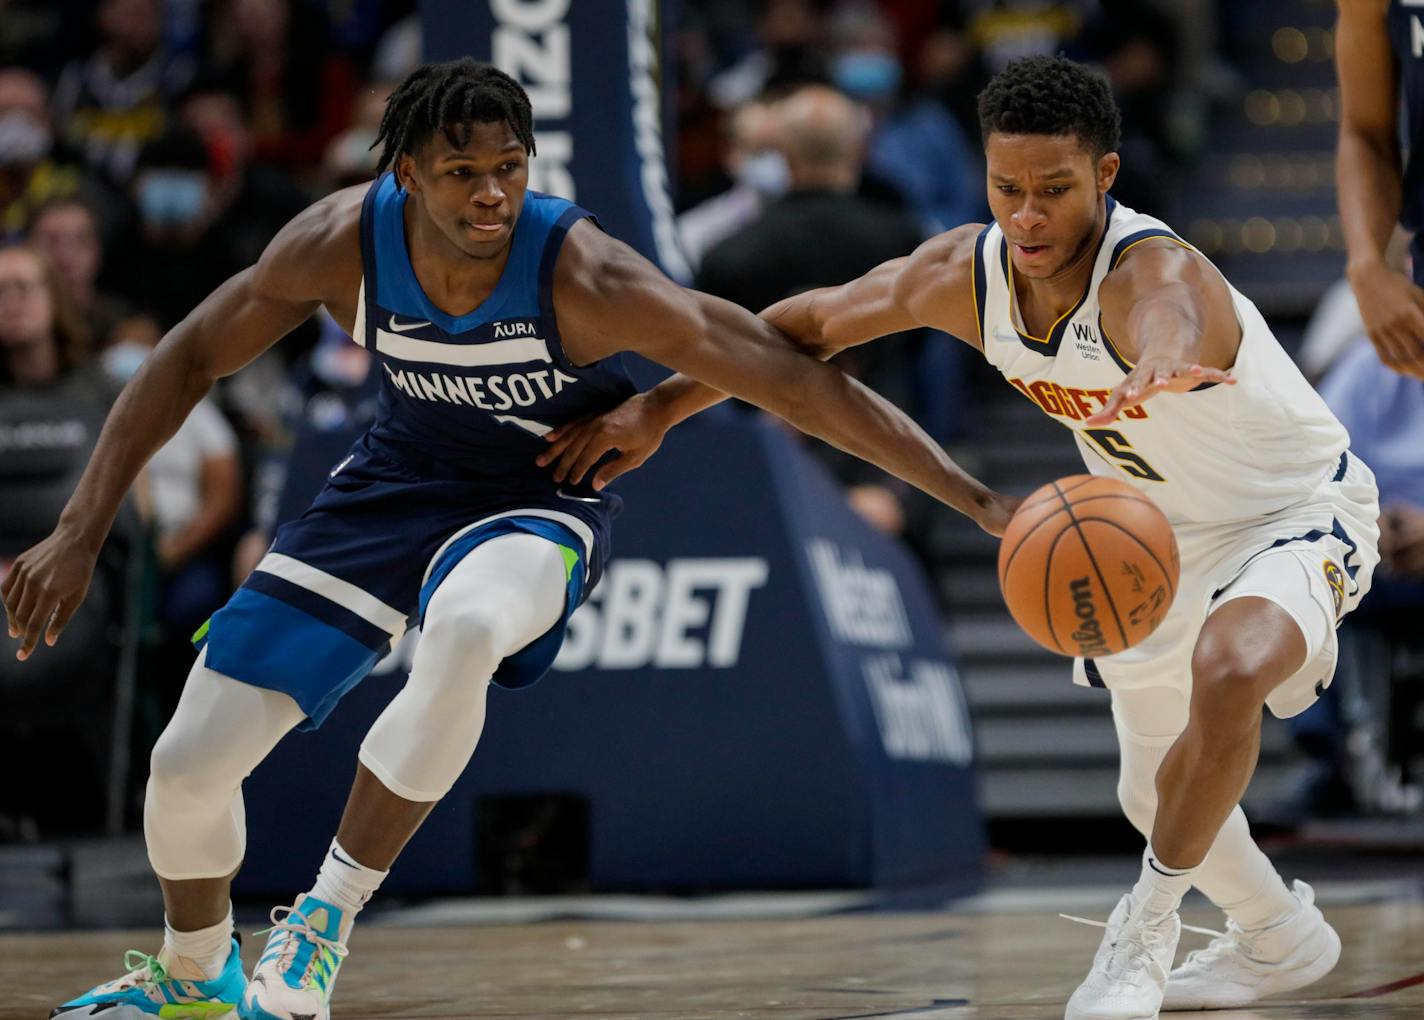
x=32, y=169
x=759, y=174
x=66, y=232
x=249, y=200
x=178, y=256
x=916, y=145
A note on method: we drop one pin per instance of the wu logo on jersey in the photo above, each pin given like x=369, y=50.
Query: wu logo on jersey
x=1085, y=341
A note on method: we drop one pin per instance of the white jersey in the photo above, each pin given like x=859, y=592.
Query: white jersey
x=1216, y=455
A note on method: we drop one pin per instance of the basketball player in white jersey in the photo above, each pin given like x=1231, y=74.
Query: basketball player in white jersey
x=1171, y=380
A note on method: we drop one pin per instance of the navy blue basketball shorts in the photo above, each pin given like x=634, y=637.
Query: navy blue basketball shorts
x=341, y=584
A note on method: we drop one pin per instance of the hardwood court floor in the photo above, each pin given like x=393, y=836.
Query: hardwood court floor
x=922, y=965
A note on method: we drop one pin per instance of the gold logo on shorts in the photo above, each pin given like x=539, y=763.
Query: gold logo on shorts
x=1335, y=577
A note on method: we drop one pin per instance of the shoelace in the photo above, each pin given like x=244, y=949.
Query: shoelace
x=1140, y=951
x=1223, y=943
x=303, y=928
x=140, y=963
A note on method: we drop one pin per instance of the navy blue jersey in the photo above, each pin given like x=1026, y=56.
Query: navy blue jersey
x=1406, y=36
x=448, y=464
x=475, y=393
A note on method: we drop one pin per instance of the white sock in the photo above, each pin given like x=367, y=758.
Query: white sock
x=206, y=948
x=1269, y=905
x=1161, y=888
x=346, y=884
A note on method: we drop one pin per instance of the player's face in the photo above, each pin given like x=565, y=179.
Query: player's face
x=1046, y=192
x=472, y=194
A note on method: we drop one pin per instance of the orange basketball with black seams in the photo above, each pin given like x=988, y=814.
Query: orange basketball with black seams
x=1088, y=566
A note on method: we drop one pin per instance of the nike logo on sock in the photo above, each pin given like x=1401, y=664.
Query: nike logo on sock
x=1160, y=870
x=343, y=860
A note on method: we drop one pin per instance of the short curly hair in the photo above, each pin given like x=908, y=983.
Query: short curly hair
x=1051, y=96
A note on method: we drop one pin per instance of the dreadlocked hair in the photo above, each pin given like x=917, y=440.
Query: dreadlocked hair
x=449, y=97
x=1051, y=96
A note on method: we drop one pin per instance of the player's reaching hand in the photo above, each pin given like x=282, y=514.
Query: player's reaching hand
x=1164, y=374
x=1392, y=307
x=44, y=588
x=635, y=428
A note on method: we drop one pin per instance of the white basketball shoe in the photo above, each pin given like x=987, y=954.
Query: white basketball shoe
x=297, y=972
x=1130, y=969
x=1240, y=966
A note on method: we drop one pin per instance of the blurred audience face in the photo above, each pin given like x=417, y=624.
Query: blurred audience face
x=27, y=307
x=67, y=235
x=823, y=135
x=866, y=64
x=754, y=159
x=24, y=118
x=217, y=118
x=1044, y=192
x=132, y=28
x=260, y=24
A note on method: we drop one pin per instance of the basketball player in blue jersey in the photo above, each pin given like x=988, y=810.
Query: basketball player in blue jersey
x=1379, y=52
x=493, y=315
x=1171, y=380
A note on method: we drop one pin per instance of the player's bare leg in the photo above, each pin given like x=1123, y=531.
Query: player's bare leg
x=377, y=824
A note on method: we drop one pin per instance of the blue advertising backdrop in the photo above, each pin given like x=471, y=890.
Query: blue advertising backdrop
x=596, y=78
x=757, y=695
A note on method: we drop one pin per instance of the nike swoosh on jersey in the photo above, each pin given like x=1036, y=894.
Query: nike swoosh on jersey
x=406, y=327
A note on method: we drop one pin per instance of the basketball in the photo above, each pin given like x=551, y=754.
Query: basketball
x=1088, y=566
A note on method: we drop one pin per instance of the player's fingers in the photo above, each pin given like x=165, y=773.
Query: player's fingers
x=570, y=455
x=566, y=435
x=34, y=625
x=590, y=455
x=1109, y=410
x=622, y=465
x=62, y=616
x=12, y=591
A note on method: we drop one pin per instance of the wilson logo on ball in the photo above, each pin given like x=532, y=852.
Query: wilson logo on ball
x=1089, y=634
x=1088, y=566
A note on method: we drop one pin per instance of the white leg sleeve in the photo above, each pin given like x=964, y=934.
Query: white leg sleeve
x=1148, y=721
x=192, y=813
x=499, y=598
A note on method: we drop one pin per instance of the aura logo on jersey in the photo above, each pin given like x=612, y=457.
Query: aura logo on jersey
x=689, y=614
x=1089, y=633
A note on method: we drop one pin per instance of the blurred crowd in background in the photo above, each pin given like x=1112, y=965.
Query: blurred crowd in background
x=149, y=149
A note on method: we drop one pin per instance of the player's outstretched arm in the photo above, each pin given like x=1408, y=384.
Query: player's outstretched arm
x=231, y=327
x=927, y=288
x=1167, y=310
x=609, y=299
x=1370, y=180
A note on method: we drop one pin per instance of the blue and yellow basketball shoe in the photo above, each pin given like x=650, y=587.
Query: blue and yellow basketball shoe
x=294, y=978
x=148, y=990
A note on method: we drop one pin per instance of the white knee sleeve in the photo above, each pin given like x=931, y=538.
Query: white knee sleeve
x=1148, y=722
x=221, y=730
x=503, y=595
